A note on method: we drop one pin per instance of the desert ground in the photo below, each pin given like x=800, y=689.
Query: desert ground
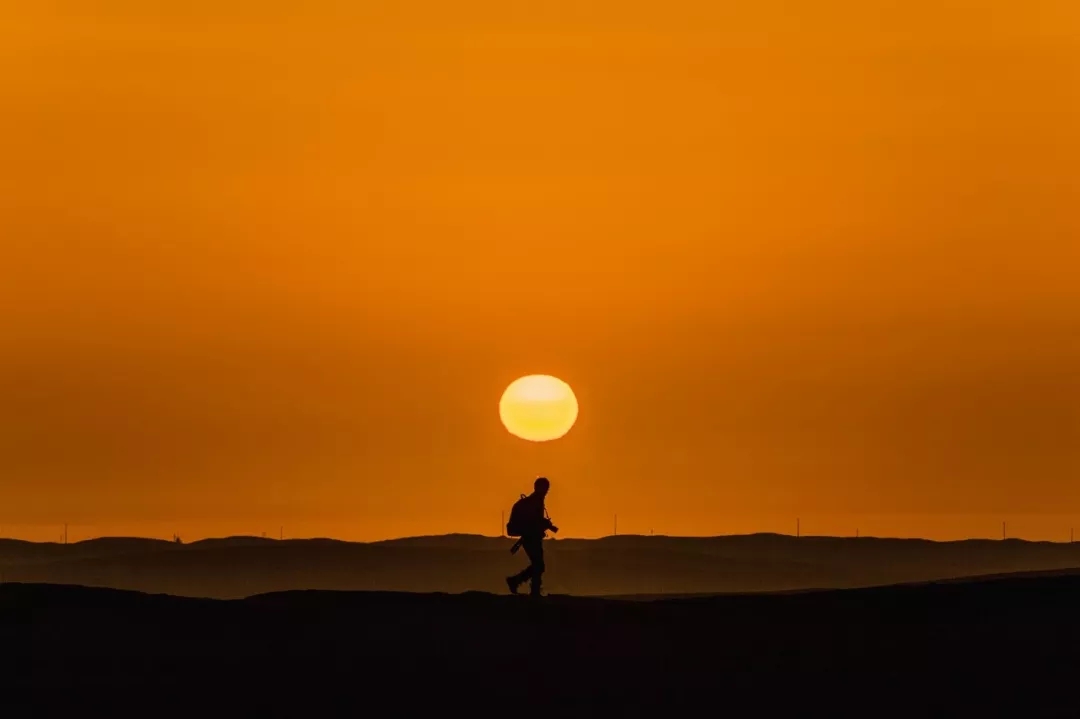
x=1006, y=645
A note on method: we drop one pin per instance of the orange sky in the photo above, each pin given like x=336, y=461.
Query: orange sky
x=265, y=266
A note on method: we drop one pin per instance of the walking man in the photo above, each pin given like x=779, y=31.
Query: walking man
x=529, y=521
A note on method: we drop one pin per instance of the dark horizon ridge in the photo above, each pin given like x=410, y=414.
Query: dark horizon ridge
x=468, y=535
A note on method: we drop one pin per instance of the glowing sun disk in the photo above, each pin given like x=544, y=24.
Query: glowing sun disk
x=538, y=408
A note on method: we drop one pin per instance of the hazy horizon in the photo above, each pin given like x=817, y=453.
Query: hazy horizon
x=1036, y=528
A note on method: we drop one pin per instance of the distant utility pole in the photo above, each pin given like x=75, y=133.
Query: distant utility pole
x=65, y=532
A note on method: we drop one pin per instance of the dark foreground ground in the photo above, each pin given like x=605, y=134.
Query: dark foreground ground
x=985, y=647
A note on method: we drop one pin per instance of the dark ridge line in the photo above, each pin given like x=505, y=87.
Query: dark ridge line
x=987, y=580
x=154, y=541
x=967, y=579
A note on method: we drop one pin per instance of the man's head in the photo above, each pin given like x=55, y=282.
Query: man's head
x=541, y=486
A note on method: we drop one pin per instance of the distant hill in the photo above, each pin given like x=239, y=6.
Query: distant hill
x=1001, y=646
x=235, y=567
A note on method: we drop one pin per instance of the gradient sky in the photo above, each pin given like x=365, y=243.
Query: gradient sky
x=268, y=263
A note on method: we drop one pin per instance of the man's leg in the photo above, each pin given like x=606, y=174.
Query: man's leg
x=534, y=549
x=515, y=581
x=525, y=574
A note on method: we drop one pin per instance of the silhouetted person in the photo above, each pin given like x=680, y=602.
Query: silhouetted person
x=529, y=520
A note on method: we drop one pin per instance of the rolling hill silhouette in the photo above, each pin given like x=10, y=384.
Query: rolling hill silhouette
x=992, y=646
x=237, y=567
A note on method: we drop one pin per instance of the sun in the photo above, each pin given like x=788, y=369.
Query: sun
x=538, y=408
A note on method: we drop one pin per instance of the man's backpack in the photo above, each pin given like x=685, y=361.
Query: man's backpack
x=519, y=521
